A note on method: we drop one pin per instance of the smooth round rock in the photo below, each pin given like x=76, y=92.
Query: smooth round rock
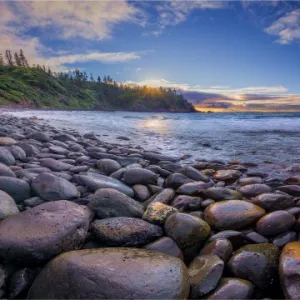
x=18, y=189
x=40, y=233
x=139, y=176
x=6, y=141
x=227, y=175
x=8, y=206
x=51, y=188
x=165, y=245
x=58, y=150
x=220, y=247
x=220, y=193
x=252, y=190
x=293, y=190
x=108, y=203
x=249, y=180
x=282, y=239
x=187, y=231
x=157, y=213
x=6, y=157
x=232, y=214
x=108, y=166
x=205, y=272
x=193, y=188
x=232, y=288
x=141, y=192
x=257, y=263
x=165, y=196
x=17, y=152
x=124, y=231
x=112, y=273
x=289, y=270
x=40, y=136
x=194, y=174
x=187, y=203
x=273, y=201
x=6, y=171
x=275, y=222
x=175, y=180
x=55, y=165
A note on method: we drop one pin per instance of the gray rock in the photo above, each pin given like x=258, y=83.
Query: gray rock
x=108, y=166
x=220, y=247
x=40, y=136
x=29, y=149
x=139, y=176
x=141, y=192
x=17, y=188
x=194, y=174
x=6, y=171
x=6, y=157
x=65, y=138
x=124, y=231
x=33, y=201
x=55, y=165
x=273, y=201
x=96, y=181
x=51, y=188
x=205, y=272
x=40, y=233
x=7, y=141
x=108, y=202
x=17, y=152
x=193, y=188
x=165, y=196
x=175, y=180
x=112, y=273
x=58, y=150
x=252, y=190
x=220, y=193
x=293, y=190
x=187, y=203
x=8, y=206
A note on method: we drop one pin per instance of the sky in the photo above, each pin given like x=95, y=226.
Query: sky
x=222, y=55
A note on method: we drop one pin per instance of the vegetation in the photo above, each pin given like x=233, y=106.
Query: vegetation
x=22, y=85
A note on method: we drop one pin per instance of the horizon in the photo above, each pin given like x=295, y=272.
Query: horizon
x=224, y=56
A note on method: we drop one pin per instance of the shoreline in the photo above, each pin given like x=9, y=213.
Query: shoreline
x=68, y=199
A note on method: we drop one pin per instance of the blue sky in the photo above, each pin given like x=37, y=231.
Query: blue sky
x=223, y=55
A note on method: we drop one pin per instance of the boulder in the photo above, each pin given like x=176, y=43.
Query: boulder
x=6, y=171
x=252, y=190
x=6, y=141
x=273, y=201
x=17, y=188
x=108, y=166
x=220, y=247
x=6, y=157
x=139, y=176
x=8, y=206
x=112, y=273
x=227, y=175
x=55, y=165
x=220, y=193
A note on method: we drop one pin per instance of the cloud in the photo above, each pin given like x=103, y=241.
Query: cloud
x=287, y=28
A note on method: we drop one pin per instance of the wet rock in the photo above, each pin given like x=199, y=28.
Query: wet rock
x=273, y=201
x=8, y=206
x=155, y=158
x=165, y=196
x=29, y=149
x=55, y=165
x=193, y=188
x=124, y=231
x=293, y=190
x=58, y=150
x=6, y=171
x=219, y=193
x=139, y=176
x=40, y=136
x=141, y=192
x=187, y=203
x=256, y=238
x=112, y=273
x=34, y=201
x=165, y=245
x=18, y=189
x=289, y=270
x=78, y=169
x=175, y=180
x=250, y=180
x=157, y=213
x=51, y=188
x=108, y=166
x=20, y=282
x=6, y=141
x=253, y=190
x=232, y=214
x=232, y=288
x=194, y=174
x=257, y=263
x=227, y=175
x=198, y=214
x=205, y=272
x=6, y=157
x=282, y=239
x=18, y=152
x=187, y=231
x=207, y=203
x=108, y=202
x=65, y=138
x=220, y=247
x=97, y=181
x=275, y=222
x=236, y=238
x=38, y=234
x=295, y=180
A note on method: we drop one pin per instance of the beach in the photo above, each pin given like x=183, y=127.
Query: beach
x=146, y=206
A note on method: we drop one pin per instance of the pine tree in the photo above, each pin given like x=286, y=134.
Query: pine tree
x=23, y=59
x=9, y=58
x=99, y=79
x=17, y=60
x=92, y=78
x=1, y=60
x=49, y=71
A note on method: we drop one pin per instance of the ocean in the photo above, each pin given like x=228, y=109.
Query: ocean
x=270, y=139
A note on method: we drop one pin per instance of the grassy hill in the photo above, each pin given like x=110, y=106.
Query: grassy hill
x=35, y=88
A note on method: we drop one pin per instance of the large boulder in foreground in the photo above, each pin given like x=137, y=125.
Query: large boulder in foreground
x=112, y=273
x=38, y=234
x=51, y=188
x=289, y=270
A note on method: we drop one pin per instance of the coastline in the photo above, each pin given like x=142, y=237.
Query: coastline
x=205, y=221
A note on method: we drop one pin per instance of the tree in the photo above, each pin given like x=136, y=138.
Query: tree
x=92, y=78
x=1, y=60
x=17, y=60
x=23, y=59
x=99, y=79
x=49, y=71
x=9, y=58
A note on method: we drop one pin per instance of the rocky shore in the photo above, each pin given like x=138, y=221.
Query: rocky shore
x=84, y=219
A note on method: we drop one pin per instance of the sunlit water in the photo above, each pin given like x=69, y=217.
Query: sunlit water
x=254, y=137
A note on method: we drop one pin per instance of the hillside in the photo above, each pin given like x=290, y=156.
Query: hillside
x=34, y=87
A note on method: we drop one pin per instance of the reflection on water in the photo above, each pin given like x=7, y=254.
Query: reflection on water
x=244, y=136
